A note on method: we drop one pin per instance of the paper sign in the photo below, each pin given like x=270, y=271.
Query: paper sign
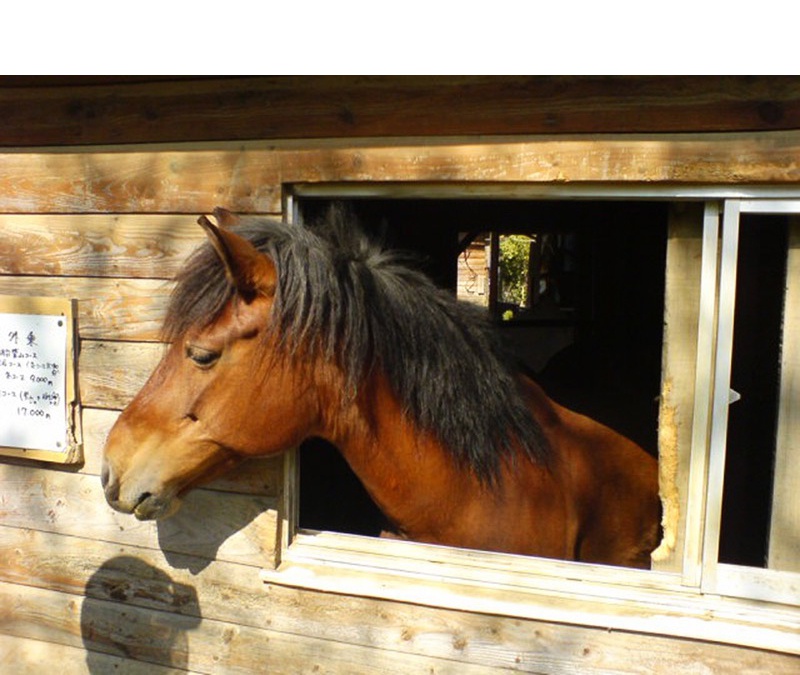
x=33, y=409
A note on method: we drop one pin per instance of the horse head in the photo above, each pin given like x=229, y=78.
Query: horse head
x=216, y=398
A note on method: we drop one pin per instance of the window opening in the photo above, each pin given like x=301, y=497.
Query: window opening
x=524, y=276
x=586, y=311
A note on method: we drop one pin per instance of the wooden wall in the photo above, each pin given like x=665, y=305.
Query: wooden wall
x=85, y=589
x=70, y=566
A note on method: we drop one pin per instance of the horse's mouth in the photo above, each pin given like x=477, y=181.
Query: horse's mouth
x=147, y=505
x=152, y=507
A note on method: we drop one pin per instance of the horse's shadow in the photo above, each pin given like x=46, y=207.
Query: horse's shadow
x=211, y=525
x=117, y=616
x=134, y=610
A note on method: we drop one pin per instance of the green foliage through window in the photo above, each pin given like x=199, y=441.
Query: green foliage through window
x=515, y=251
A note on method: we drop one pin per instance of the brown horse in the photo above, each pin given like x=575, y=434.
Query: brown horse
x=280, y=333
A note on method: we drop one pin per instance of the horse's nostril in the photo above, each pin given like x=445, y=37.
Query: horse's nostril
x=112, y=492
x=109, y=483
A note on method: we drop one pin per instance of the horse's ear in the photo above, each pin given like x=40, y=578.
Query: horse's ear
x=226, y=218
x=251, y=272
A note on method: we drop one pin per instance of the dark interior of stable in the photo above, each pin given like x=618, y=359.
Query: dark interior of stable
x=755, y=377
x=610, y=307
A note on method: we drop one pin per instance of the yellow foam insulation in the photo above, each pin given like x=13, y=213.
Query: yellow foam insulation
x=667, y=473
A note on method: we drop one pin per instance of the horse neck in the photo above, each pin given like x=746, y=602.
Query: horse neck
x=407, y=472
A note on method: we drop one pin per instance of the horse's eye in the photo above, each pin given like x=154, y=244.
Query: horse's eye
x=203, y=358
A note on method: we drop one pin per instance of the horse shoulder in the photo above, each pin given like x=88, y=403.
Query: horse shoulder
x=611, y=484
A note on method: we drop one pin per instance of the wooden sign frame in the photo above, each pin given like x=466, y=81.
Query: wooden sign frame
x=23, y=370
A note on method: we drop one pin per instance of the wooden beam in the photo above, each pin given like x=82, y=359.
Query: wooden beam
x=251, y=179
x=92, y=111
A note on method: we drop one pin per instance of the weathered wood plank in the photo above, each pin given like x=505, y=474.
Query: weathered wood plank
x=108, y=309
x=110, y=373
x=673, y=617
x=136, y=246
x=227, y=592
x=149, y=578
x=126, y=182
x=231, y=527
x=199, y=645
x=358, y=638
x=46, y=112
x=22, y=656
x=233, y=593
x=250, y=179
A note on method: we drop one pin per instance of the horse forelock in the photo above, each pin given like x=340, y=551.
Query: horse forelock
x=347, y=300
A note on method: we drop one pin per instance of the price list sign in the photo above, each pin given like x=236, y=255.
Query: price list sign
x=35, y=393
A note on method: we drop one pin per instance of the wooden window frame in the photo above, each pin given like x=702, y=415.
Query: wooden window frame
x=690, y=598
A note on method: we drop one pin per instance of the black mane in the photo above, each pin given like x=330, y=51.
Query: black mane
x=367, y=309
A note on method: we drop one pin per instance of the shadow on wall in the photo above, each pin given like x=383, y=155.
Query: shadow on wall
x=136, y=611
x=191, y=538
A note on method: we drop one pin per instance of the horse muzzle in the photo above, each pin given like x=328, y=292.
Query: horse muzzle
x=143, y=504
